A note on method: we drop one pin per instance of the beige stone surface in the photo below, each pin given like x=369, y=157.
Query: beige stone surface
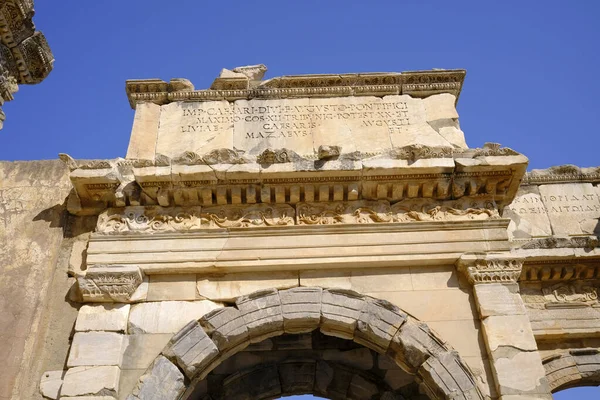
x=96, y=348
x=365, y=124
x=31, y=231
x=198, y=127
x=141, y=349
x=172, y=287
x=362, y=281
x=531, y=376
x=432, y=305
x=528, y=214
x=97, y=380
x=226, y=287
x=573, y=208
x=509, y=330
x=166, y=316
x=51, y=383
x=498, y=299
x=433, y=277
x=464, y=336
x=144, y=133
x=127, y=381
x=104, y=317
x=77, y=259
x=88, y=398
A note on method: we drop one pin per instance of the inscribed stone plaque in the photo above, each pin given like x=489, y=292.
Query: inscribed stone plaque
x=366, y=124
x=528, y=214
x=573, y=208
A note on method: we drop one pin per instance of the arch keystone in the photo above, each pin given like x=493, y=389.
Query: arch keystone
x=192, y=349
x=301, y=309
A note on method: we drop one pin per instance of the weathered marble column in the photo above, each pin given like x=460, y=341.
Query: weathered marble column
x=511, y=346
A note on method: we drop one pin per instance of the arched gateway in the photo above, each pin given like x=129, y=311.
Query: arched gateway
x=316, y=230
x=180, y=371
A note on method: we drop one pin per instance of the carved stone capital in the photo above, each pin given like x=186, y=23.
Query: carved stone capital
x=112, y=283
x=490, y=268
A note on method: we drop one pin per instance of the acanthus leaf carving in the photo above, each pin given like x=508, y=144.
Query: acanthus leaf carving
x=483, y=268
x=248, y=216
x=110, y=283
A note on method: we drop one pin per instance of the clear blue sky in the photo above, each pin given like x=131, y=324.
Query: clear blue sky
x=531, y=66
x=531, y=82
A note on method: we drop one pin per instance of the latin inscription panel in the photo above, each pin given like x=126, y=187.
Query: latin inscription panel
x=366, y=124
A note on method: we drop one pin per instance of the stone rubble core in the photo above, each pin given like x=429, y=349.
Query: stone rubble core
x=25, y=57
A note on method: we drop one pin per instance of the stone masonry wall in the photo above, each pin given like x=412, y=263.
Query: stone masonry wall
x=32, y=217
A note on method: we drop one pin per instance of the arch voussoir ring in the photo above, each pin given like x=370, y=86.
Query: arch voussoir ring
x=202, y=345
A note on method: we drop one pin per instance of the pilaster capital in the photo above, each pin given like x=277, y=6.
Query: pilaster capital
x=490, y=268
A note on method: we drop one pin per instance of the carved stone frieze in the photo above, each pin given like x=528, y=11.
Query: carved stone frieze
x=490, y=268
x=570, y=293
x=561, y=270
x=25, y=57
x=562, y=173
x=575, y=242
x=110, y=283
x=277, y=156
x=360, y=212
x=155, y=219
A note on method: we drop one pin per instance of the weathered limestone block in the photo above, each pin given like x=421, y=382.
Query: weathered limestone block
x=573, y=208
x=226, y=327
x=450, y=377
x=413, y=344
x=530, y=379
x=97, y=380
x=140, y=350
x=297, y=377
x=95, y=348
x=104, y=317
x=260, y=382
x=496, y=299
x=378, y=323
x=163, y=382
x=167, y=316
x=362, y=388
x=262, y=314
x=340, y=311
x=192, y=348
x=144, y=133
x=508, y=330
x=227, y=287
x=301, y=309
x=528, y=214
x=51, y=383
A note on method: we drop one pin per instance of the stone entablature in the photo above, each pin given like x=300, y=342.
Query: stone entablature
x=25, y=57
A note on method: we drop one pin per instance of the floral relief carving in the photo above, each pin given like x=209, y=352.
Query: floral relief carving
x=110, y=283
x=245, y=217
x=570, y=293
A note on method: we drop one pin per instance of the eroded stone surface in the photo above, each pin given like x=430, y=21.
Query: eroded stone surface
x=105, y=317
x=96, y=348
x=97, y=380
x=166, y=316
x=573, y=208
x=51, y=383
x=528, y=214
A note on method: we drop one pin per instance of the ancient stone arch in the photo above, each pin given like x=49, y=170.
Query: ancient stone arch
x=202, y=345
x=571, y=368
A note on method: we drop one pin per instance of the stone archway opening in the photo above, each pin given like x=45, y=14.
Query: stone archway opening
x=216, y=357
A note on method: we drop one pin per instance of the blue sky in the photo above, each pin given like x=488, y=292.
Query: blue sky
x=531, y=67
x=530, y=85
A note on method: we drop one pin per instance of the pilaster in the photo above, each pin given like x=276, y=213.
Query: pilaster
x=508, y=335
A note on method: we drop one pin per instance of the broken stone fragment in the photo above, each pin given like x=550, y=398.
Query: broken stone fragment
x=253, y=72
x=326, y=152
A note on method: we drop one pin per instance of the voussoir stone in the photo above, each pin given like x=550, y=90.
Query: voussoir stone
x=167, y=316
x=192, y=349
x=448, y=376
x=226, y=327
x=413, y=344
x=163, y=382
x=261, y=312
x=340, y=310
x=301, y=309
x=378, y=323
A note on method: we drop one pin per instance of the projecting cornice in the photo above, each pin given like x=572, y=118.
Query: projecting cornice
x=232, y=85
x=282, y=177
x=562, y=174
x=25, y=57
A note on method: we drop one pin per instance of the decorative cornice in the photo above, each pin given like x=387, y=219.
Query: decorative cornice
x=227, y=176
x=557, y=269
x=490, y=268
x=155, y=219
x=413, y=83
x=25, y=57
x=562, y=174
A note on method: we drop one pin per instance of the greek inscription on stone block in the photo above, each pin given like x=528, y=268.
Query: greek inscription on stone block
x=573, y=208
